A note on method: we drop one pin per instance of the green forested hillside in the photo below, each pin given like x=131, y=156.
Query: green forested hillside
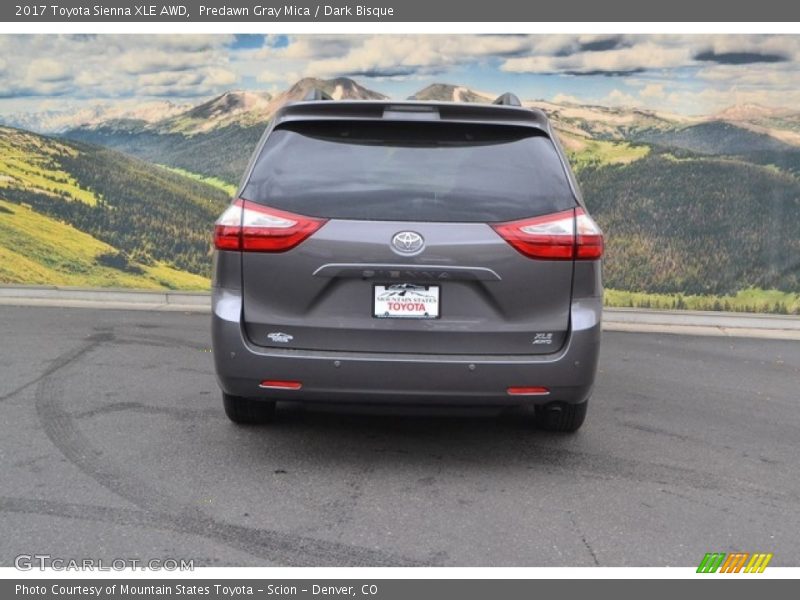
x=138, y=223
x=714, y=137
x=696, y=225
x=36, y=249
x=787, y=160
x=221, y=153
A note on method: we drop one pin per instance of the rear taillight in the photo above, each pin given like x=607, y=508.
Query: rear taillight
x=250, y=227
x=588, y=237
x=565, y=235
x=228, y=228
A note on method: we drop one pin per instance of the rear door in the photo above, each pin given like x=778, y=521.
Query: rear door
x=408, y=253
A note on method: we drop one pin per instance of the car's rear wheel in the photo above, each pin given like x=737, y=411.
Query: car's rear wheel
x=248, y=411
x=561, y=417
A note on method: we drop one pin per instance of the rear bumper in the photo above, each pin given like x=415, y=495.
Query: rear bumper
x=416, y=379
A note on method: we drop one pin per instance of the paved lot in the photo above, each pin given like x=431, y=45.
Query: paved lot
x=113, y=444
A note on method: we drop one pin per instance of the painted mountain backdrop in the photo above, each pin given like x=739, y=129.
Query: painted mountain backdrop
x=701, y=212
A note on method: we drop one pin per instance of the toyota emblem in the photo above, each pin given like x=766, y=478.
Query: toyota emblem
x=407, y=242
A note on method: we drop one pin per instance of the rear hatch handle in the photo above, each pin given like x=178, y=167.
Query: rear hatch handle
x=382, y=271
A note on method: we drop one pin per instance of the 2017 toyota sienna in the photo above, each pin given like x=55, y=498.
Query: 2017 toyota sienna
x=416, y=253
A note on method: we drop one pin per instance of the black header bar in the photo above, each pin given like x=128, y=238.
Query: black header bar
x=439, y=11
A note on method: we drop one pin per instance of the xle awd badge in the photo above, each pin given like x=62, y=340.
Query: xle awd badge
x=407, y=242
x=543, y=338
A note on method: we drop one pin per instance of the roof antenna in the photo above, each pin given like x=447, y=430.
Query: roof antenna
x=317, y=94
x=507, y=99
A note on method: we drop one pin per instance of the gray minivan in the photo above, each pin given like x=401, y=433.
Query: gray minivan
x=416, y=253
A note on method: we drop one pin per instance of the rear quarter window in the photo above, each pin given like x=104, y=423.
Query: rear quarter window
x=401, y=171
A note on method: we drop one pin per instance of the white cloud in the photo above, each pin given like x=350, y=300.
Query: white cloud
x=644, y=55
x=652, y=90
x=784, y=45
x=629, y=53
x=169, y=78
x=620, y=98
x=88, y=79
x=111, y=66
x=567, y=99
x=312, y=47
x=275, y=76
x=778, y=76
x=391, y=56
x=154, y=60
x=47, y=70
x=219, y=77
x=185, y=42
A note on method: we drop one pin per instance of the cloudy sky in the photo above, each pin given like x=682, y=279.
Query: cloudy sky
x=685, y=74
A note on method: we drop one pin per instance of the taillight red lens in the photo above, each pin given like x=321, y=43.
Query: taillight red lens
x=549, y=236
x=250, y=227
x=228, y=228
x=566, y=235
x=588, y=237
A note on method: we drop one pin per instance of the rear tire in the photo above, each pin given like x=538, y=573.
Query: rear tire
x=561, y=417
x=248, y=411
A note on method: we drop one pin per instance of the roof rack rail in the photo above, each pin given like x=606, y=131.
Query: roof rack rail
x=317, y=94
x=507, y=99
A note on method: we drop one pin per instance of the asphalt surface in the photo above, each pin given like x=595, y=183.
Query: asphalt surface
x=113, y=444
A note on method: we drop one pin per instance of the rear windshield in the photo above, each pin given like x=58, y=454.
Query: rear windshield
x=410, y=172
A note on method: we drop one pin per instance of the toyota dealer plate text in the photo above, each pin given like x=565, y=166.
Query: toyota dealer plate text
x=406, y=301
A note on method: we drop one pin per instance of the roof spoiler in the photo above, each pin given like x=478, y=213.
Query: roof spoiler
x=507, y=99
x=317, y=94
x=463, y=112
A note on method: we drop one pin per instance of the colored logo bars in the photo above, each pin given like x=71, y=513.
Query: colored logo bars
x=734, y=562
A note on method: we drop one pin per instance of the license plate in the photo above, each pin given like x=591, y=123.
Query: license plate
x=406, y=301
